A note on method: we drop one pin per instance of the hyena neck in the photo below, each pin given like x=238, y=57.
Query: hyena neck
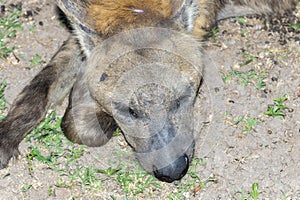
x=86, y=37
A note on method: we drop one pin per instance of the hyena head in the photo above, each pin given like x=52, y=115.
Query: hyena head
x=146, y=78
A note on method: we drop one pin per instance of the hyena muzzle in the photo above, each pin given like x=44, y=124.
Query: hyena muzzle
x=133, y=64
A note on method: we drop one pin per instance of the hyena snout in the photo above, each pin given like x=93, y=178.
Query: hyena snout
x=171, y=161
x=174, y=171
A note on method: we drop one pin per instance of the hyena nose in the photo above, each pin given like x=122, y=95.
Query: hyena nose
x=174, y=171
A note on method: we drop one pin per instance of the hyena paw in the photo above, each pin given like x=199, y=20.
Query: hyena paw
x=6, y=155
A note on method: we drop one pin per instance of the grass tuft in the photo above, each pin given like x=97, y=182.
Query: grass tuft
x=253, y=194
x=3, y=101
x=246, y=77
x=277, y=109
x=10, y=23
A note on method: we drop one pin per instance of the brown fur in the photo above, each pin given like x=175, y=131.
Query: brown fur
x=109, y=16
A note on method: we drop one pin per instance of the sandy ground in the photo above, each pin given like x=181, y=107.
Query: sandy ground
x=235, y=159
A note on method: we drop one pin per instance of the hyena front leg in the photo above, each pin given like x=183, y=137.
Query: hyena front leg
x=46, y=89
x=85, y=122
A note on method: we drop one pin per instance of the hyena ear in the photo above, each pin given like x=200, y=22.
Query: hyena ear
x=76, y=11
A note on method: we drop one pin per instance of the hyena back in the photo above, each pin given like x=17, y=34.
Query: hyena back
x=116, y=72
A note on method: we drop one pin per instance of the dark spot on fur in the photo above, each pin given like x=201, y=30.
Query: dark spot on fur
x=103, y=77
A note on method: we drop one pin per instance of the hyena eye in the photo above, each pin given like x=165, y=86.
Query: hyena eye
x=133, y=113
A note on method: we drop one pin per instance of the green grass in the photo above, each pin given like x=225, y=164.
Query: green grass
x=253, y=194
x=277, y=109
x=247, y=124
x=133, y=181
x=37, y=61
x=246, y=77
x=49, y=149
x=50, y=140
x=26, y=187
x=49, y=146
x=3, y=101
x=10, y=23
x=241, y=20
x=250, y=58
x=295, y=26
x=86, y=177
x=192, y=183
x=213, y=33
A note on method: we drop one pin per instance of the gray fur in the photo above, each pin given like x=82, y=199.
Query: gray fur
x=145, y=81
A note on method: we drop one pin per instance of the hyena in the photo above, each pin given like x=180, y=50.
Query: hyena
x=133, y=64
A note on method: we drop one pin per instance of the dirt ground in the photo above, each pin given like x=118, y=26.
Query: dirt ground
x=234, y=157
